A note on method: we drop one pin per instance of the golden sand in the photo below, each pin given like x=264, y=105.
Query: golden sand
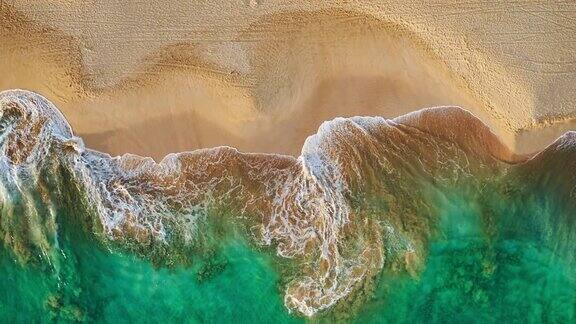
x=151, y=77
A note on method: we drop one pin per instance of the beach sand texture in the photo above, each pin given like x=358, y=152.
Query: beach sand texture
x=153, y=77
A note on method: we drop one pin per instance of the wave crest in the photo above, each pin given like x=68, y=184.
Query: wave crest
x=314, y=209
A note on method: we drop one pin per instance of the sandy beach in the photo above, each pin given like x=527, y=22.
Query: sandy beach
x=267, y=161
x=262, y=75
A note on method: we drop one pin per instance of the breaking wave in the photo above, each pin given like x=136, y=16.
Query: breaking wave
x=360, y=198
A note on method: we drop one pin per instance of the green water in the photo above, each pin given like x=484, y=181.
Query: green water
x=494, y=261
x=235, y=283
x=495, y=258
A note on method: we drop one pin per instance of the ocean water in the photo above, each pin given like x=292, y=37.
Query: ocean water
x=488, y=263
x=491, y=263
x=88, y=282
x=424, y=218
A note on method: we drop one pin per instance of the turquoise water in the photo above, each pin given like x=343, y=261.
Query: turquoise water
x=495, y=257
x=235, y=283
x=463, y=238
x=494, y=261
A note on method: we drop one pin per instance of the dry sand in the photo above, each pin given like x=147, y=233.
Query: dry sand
x=153, y=77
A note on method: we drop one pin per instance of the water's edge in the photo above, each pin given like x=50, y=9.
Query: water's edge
x=427, y=216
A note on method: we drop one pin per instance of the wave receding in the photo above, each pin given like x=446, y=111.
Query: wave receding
x=367, y=197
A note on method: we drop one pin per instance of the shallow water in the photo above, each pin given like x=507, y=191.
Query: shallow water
x=424, y=218
x=91, y=283
x=497, y=269
x=492, y=260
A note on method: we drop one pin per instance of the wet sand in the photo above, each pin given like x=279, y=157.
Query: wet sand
x=261, y=76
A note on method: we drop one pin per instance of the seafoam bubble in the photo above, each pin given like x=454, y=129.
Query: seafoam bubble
x=312, y=209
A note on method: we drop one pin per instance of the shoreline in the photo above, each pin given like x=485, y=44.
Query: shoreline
x=266, y=79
